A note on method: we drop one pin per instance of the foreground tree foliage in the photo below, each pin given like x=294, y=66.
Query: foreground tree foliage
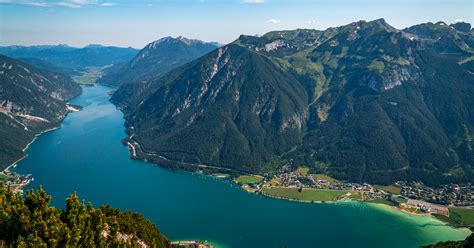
x=467, y=243
x=29, y=222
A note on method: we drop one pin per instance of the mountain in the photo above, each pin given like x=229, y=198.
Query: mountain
x=31, y=101
x=30, y=222
x=363, y=102
x=158, y=58
x=208, y=112
x=71, y=57
x=47, y=66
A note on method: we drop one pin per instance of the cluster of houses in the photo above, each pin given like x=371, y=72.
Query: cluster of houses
x=17, y=182
x=413, y=195
x=450, y=194
x=295, y=179
x=427, y=207
x=191, y=243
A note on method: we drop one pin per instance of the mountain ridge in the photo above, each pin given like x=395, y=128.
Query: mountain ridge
x=72, y=57
x=157, y=58
x=369, y=93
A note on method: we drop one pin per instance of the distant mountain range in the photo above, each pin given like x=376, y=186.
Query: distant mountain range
x=68, y=59
x=157, y=58
x=47, y=66
x=364, y=102
x=31, y=101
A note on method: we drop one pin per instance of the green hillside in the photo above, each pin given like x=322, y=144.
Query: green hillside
x=156, y=59
x=31, y=101
x=364, y=102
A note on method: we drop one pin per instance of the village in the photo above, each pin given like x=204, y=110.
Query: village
x=410, y=197
x=14, y=181
x=450, y=194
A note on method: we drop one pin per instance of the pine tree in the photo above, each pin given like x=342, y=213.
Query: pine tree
x=30, y=222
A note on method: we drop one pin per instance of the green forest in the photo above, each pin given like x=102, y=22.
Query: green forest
x=29, y=221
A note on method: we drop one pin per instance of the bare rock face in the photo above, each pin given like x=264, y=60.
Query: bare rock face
x=391, y=78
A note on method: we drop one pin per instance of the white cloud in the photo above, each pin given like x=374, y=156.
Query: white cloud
x=37, y=4
x=253, y=1
x=458, y=20
x=107, y=4
x=312, y=22
x=82, y=2
x=69, y=3
x=273, y=21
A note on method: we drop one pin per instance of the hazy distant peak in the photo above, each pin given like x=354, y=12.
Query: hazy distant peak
x=381, y=23
x=189, y=41
x=181, y=39
x=374, y=25
x=93, y=46
x=215, y=43
x=461, y=26
x=159, y=57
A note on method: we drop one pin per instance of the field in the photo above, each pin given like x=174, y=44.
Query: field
x=463, y=216
x=305, y=195
x=357, y=196
x=248, y=179
x=324, y=177
x=392, y=189
x=274, y=182
x=302, y=170
x=445, y=219
x=91, y=75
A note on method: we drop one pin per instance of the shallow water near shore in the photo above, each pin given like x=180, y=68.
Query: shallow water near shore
x=86, y=156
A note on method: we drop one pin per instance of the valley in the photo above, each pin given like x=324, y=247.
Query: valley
x=352, y=102
x=90, y=75
x=89, y=158
x=352, y=135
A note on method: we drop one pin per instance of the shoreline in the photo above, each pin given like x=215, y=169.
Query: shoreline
x=28, y=145
x=396, y=210
x=296, y=200
x=135, y=147
x=39, y=134
x=392, y=209
x=137, y=153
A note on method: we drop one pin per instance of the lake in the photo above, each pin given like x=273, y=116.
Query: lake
x=86, y=156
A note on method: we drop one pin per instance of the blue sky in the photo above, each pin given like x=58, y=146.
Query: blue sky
x=136, y=23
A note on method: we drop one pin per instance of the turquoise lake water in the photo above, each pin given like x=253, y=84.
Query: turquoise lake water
x=86, y=156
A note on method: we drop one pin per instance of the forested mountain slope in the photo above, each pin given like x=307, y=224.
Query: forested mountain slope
x=157, y=58
x=31, y=101
x=363, y=102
